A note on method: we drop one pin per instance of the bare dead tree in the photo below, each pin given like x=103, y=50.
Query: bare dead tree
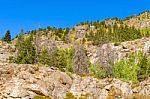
x=107, y=56
x=52, y=50
x=80, y=59
x=37, y=44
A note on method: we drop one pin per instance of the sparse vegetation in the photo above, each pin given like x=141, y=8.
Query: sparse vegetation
x=75, y=59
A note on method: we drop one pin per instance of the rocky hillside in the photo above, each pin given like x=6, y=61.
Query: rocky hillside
x=29, y=81
x=140, y=21
x=107, y=59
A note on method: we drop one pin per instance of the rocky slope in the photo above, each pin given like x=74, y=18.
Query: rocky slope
x=27, y=81
x=22, y=81
x=140, y=21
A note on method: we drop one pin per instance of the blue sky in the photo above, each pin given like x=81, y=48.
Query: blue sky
x=31, y=14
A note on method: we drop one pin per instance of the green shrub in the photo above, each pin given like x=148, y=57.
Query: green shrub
x=134, y=68
x=145, y=32
x=64, y=58
x=69, y=95
x=47, y=58
x=144, y=65
x=98, y=71
x=41, y=97
x=84, y=96
x=61, y=59
x=117, y=43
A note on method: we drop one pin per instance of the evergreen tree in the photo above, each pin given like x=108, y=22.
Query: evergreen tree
x=26, y=50
x=64, y=59
x=7, y=37
x=45, y=58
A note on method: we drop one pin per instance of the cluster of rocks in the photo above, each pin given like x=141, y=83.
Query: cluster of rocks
x=28, y=81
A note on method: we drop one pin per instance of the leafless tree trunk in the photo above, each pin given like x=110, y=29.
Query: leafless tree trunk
x=107, y=57
x=37, y=43
x=80, y=59
x=52, y=50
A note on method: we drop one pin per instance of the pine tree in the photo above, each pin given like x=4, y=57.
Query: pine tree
x=26, y=50
x=7, y=37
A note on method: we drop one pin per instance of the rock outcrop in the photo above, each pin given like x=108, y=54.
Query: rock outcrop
x=119, y=51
